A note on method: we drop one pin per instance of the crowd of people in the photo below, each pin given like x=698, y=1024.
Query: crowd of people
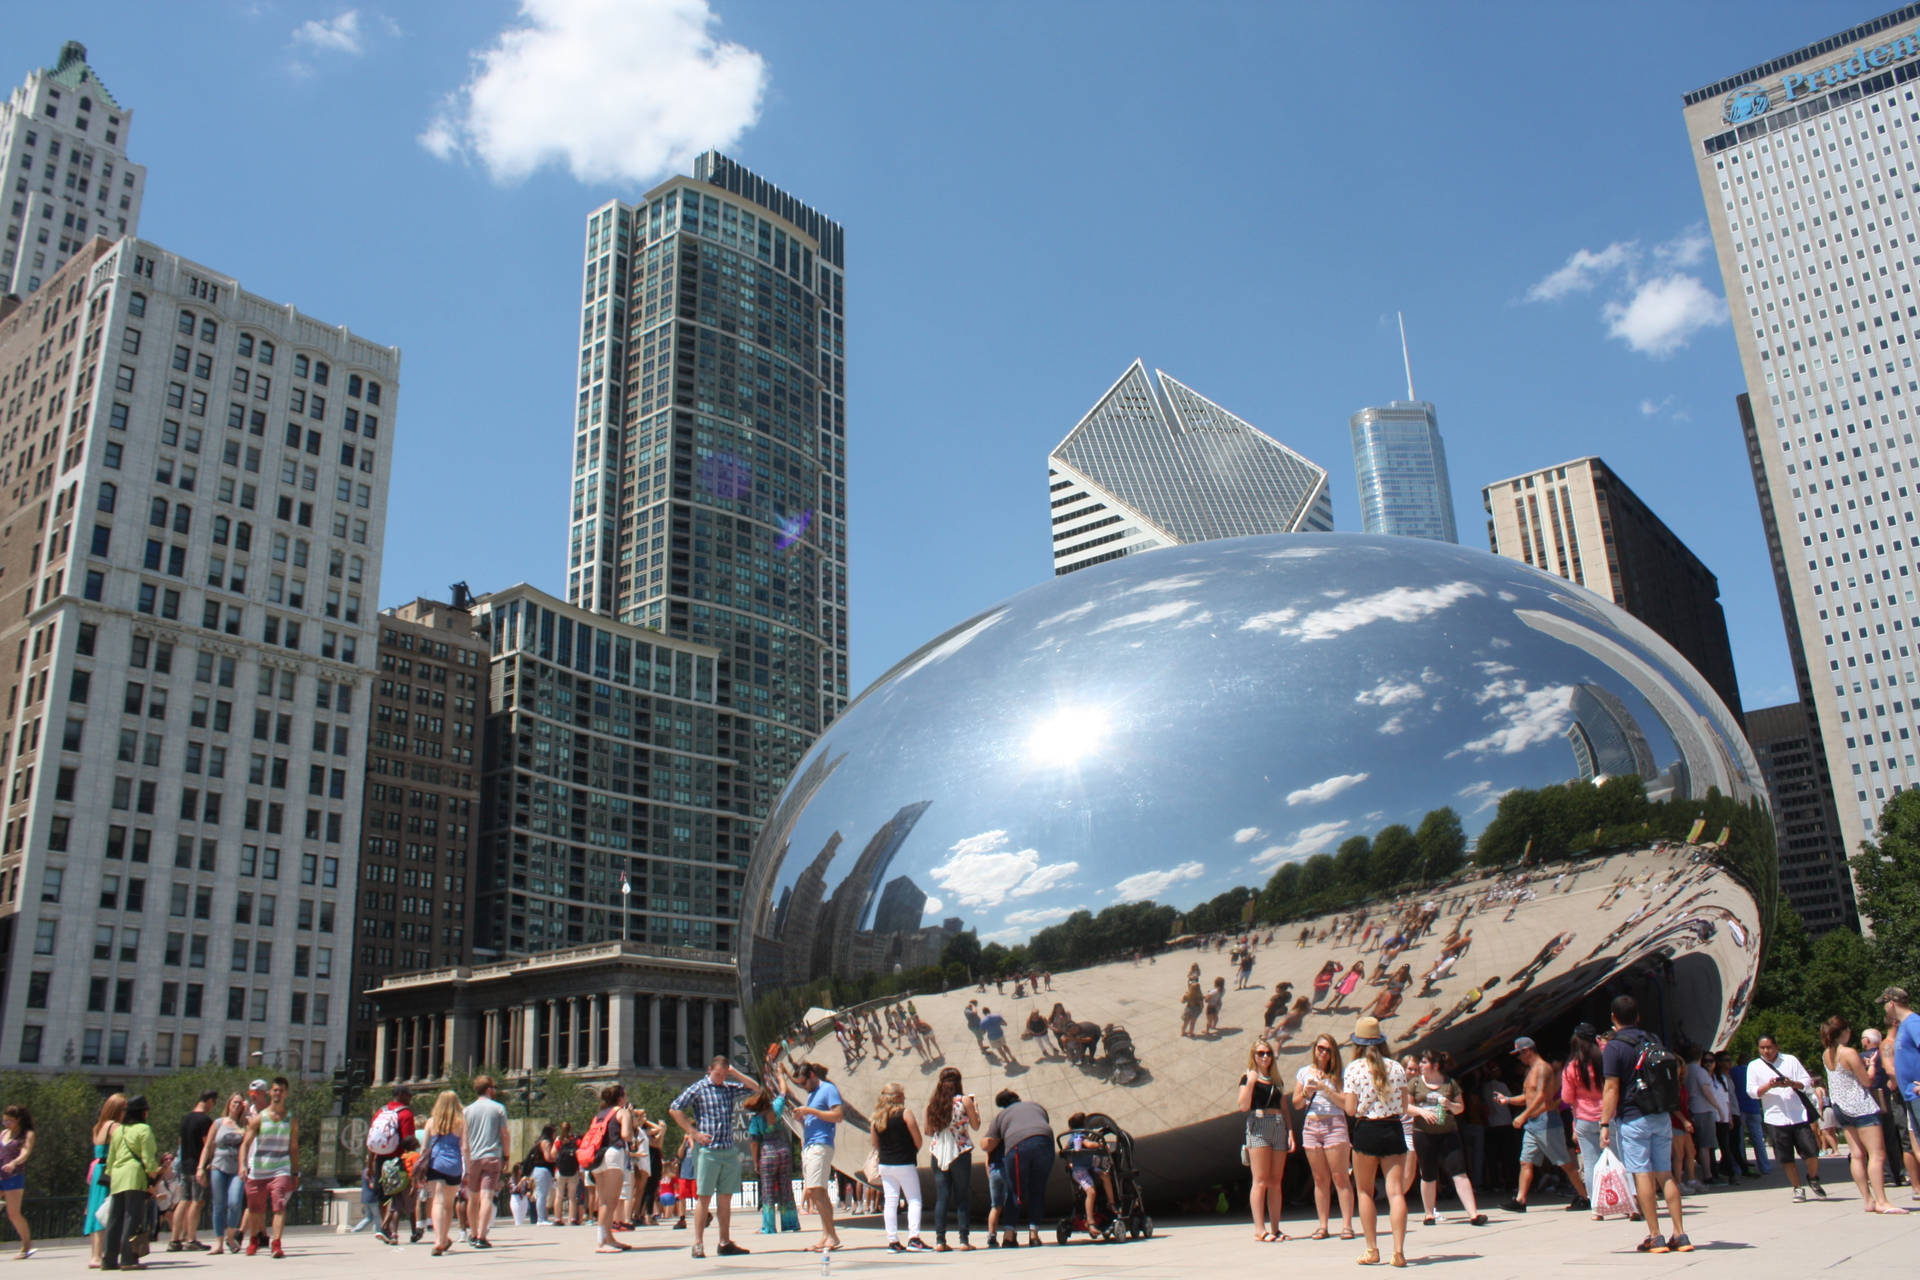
x=1371, y=1126
x=1674, y=1122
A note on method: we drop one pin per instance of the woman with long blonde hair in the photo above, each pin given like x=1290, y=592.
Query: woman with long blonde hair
x=1316, y=1089
x=896, y=1137
x=112, y=1112
x=443, y=1163
x=1268, y=1138
x=1376, y=1097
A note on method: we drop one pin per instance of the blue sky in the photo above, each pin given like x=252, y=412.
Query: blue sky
x=1034, y=194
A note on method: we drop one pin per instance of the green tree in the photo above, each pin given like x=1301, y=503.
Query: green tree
x=1316, y=876
x=1352, y=861
x=1394, y=859
x=962, y=949
x=1442, y=843
x=1887, y=874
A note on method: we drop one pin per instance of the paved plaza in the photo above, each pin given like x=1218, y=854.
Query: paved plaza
x=1754, y=1230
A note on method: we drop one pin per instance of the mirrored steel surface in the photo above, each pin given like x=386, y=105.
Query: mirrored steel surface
x=1086, y=774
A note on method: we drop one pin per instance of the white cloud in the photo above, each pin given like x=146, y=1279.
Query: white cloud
x=1326, y=790
x=1179, y=582
x=1527, y=718
x=338, y=34
x=1151, y=884
x=1685, y=249
x=1043, y=915
x=1485, y=792
x=983, y=872
x=1247, y=835
x=1394, y=725
x=951, y=645
x=1306, y=842
x=1495, y=668
x=1296, y=553
x=1272, y=620
x=1162, y=612
x=1664, y=313
x=1585, y=269
x=1071, y=615
x=1398, y=604
x=616, y=91
x=933, y=908
x=1388, y=693
x=985, y=842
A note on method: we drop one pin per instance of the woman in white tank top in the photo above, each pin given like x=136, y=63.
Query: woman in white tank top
x=1847, y=1079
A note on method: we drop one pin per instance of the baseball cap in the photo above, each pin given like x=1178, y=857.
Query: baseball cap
x=258, y=1086
x=1894, y=995
x=1523, y=1044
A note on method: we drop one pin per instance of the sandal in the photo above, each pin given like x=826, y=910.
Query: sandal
x=1348, y=1235
x=1371, y=1258
x=1321, y=1234
x=1429, y=1221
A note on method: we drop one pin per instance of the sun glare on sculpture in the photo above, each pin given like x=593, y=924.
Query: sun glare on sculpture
x=1068, y=736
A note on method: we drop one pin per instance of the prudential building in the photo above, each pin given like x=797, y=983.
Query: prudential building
x=1811, y=174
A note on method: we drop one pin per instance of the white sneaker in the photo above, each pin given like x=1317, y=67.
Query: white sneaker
x=1799, y=1195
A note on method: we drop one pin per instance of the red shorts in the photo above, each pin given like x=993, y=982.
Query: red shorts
x=685, y=1188
x=265, y=1193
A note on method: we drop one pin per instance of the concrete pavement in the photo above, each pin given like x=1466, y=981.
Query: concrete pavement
x=1754, y=1230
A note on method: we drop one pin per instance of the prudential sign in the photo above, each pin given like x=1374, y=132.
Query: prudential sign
x=1751, y=103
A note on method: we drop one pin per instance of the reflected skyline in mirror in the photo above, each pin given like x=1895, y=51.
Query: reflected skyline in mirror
x=1289, y=745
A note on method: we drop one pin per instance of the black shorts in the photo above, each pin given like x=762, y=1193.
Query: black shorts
x=1441, y=1155
x=1381, y=1139
x=1791, y=1140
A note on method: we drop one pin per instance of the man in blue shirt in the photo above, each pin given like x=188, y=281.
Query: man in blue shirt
x=1904, y=1026
x=716, y=1160
x=820, y=1114
x=1645, y=1142
x=994, y=1027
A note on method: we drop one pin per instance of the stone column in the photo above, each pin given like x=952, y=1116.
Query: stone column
x=653, y=1032
x=596, y=1025
x=620, y=1026
x=380, y=1076
x=680, y=1041
x=530, y=1037
x=737, y=1026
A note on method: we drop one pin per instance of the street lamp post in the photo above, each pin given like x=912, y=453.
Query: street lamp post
x=626, y=888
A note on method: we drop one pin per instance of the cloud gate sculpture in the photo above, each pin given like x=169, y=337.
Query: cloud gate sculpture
x=1340, y=774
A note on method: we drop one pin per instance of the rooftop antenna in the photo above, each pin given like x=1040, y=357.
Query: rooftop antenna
x=1405, y=359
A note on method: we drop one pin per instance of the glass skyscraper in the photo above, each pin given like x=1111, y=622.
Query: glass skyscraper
x=709, y=457
x=1157, y=464
x=1401, y=464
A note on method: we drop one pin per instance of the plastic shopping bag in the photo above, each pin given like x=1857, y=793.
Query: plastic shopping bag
x=1612, y=1188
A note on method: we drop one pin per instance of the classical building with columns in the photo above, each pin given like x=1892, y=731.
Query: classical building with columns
x=598, y=1011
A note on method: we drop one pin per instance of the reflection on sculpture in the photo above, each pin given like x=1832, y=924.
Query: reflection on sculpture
x=1316, y=775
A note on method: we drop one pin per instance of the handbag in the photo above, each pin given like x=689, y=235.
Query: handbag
x=943, y=1148
x=870, y=1168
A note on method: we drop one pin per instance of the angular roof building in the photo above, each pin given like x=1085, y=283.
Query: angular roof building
x=1156, y=464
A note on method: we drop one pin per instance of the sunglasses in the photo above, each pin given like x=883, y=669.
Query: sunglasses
x=1261, y=1053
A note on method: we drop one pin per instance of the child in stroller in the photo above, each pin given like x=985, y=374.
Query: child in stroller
x=1099, y=1155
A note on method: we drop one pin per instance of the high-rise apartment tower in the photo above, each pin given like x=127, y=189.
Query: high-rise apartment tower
x=192, y=501
x=1580, y=520
x=64, y=171
x=709, y=457
x=1156, y=464
x=1805, y=165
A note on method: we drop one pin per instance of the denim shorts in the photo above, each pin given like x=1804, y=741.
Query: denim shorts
x=999, y=1187
x=1646, y=1144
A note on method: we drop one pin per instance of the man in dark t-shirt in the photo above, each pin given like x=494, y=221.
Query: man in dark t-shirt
x=1644, y=1142
x=194, y=1128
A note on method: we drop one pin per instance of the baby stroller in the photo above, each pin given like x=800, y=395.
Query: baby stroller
x=1121, y=1215
x=1122, y=1066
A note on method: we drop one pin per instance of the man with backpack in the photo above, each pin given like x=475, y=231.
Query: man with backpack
x=1783, y=1089
x=387, y=1136
x=1642, y=1091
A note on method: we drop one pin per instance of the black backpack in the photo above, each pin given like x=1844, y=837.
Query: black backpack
x=1655, y=1087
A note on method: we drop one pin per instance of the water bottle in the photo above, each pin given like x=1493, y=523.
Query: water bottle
x=826, y=1264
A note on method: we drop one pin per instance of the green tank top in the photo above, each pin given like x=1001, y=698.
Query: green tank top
x=272, y=1153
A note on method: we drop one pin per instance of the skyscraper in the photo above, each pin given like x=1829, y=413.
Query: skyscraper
x=709, y=497
x=64, y=167
x=190, y=533
x=1400, y=463
x=1813, y=864
x=1803, y=165
x=1579, y=520
x=1156, y=464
